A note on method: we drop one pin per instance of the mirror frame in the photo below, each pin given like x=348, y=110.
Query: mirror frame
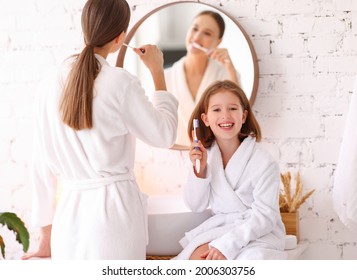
x=131, y=33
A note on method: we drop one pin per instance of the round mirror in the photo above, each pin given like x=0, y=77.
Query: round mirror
x=167, y=27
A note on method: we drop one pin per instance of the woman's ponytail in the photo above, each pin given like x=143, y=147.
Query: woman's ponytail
x=77, y=98
x=102, y=22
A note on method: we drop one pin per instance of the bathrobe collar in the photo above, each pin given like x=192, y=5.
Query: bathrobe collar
x=238, y=162
x=101, y=59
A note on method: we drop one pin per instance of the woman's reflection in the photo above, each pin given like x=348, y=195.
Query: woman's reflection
x=203, y=64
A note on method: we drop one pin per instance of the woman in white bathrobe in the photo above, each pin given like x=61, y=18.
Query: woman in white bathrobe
x=87, y=117
x=191, y=75
x=237, y=179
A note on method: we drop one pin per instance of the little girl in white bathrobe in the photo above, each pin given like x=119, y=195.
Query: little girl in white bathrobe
x=237, y=179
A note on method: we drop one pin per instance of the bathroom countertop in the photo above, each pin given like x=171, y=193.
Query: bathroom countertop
x=294, y=254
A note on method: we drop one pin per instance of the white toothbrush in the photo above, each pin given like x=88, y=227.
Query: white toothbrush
x=207, y=51
x=195, y=127
x=126, y=45
x=198, y=46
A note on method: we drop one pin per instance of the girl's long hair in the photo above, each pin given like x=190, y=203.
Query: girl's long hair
x=249, y=128
x=102, y=22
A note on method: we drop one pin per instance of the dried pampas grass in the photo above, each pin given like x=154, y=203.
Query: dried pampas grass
x=289, y=203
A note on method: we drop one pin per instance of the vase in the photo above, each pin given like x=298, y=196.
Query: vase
x=291, y=223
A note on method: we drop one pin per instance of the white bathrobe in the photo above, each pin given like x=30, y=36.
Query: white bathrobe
x=177, y=84
x=101, y=213
x=244, y=198
x=345, y=182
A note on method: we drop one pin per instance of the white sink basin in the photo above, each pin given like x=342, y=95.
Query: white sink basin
x=168, y=221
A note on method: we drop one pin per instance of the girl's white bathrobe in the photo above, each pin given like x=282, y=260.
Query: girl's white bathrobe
x=244, y=198
x=177, y=84
x=101, y=213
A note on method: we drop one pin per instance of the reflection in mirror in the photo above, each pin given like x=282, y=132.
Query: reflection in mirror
x=167, y=28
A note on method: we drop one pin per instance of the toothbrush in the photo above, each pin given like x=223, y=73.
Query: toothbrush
x=198, y=46
x=195, y=127
x=126, y=45
x=207, y=51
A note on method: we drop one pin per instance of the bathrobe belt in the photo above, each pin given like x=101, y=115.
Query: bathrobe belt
x=83, y=184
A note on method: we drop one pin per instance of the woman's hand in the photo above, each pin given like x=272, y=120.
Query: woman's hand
x=153, y=59
x=222, y=56
x=152, y=56
x=198, y=151
x=213, y=254
x=44, y=248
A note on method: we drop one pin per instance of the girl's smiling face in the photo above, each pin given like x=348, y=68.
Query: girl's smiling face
x=204, y=31
x=225, y=116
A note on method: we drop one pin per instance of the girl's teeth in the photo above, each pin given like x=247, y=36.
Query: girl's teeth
x=225, y=125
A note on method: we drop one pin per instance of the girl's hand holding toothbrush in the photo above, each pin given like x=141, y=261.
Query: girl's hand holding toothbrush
x=198, y=152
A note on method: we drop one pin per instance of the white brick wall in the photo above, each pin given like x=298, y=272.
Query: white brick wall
x=307, y=52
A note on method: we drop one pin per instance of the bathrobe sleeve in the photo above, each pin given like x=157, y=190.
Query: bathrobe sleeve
x=154, y=123
x=43, y=180
x=263, y=217
x=197, y=191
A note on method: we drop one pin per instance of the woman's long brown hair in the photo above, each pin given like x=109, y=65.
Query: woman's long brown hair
x=249, y=128
x=102, y=22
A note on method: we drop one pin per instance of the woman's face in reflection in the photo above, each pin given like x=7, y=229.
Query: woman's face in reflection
x=203, y=31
